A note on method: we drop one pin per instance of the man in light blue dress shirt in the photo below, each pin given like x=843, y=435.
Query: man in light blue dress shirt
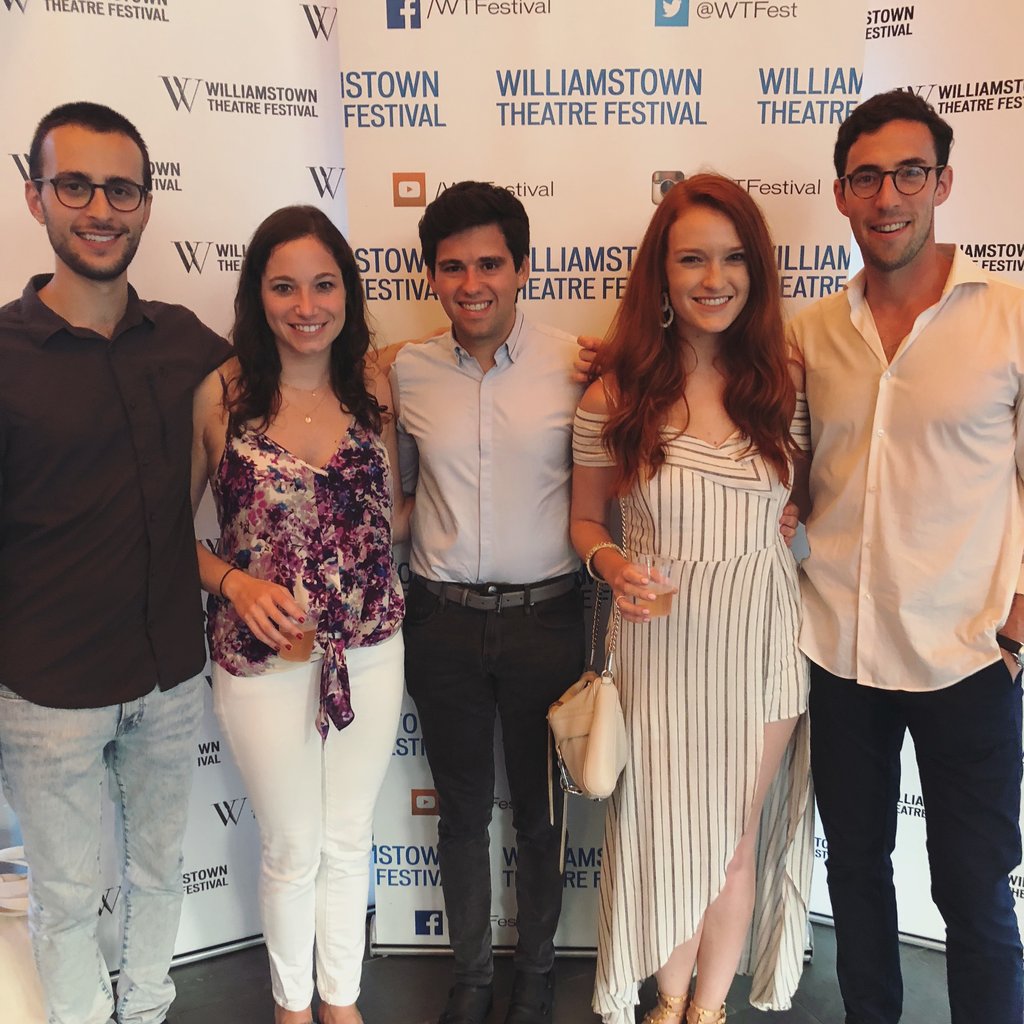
x=494, y=619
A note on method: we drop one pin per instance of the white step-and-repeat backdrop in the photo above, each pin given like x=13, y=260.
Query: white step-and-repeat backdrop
x=583, y=108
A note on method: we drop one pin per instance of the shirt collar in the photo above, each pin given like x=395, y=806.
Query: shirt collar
x=962, y=271
x=41, y=323
x=510, y=344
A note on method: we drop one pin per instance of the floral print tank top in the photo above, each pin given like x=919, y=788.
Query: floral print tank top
x=325, y=535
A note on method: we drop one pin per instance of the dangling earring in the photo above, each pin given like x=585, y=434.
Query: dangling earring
x=668, y=314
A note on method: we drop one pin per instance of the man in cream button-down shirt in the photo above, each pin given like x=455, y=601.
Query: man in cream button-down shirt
x=914, y=381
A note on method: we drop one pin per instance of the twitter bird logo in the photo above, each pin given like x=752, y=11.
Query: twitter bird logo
x=671, y=12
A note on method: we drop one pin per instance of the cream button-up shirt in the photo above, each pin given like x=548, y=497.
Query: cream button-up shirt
x=917, y=529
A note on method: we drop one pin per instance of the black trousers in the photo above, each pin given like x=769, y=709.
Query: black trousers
x=968, y=743
x=462, y=667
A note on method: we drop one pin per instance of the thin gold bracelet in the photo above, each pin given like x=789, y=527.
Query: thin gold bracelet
x=589, y=560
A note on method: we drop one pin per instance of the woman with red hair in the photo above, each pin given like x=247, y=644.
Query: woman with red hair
x=696, y=425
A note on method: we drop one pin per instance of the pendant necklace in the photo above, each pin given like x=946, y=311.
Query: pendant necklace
x=308, y=414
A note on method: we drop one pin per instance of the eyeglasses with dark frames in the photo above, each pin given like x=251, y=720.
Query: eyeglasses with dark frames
x=908, y=179
x=76, y=193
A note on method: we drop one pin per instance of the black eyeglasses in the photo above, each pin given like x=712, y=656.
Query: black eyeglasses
x=908, y=179
x=76, y=193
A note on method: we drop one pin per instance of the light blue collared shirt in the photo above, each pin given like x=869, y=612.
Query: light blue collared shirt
x=489, y=456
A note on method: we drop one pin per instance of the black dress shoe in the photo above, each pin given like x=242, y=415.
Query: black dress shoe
x=467, y=1004
x=533, y=999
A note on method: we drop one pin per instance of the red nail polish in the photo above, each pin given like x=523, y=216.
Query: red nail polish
x=287, y=647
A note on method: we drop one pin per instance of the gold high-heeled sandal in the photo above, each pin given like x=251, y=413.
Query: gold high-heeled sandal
x=698, y=1015
x=670, y=1010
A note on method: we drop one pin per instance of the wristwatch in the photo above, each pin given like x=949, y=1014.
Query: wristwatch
x=1015, y=647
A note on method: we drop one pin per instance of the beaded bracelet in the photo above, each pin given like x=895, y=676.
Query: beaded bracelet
x=220, y=586
x=589, y=560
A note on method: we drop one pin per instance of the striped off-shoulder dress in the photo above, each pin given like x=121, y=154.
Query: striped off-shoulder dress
x=697, y=688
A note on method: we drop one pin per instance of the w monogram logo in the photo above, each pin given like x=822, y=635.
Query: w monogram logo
x=193, y=255
x=20, y=4
x=21, y=159
x=230, y=811
x=108, y=900
x=321, y=23
x=327, y=180
x=181, y=90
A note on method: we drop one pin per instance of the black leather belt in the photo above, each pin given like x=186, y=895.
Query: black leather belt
x=491, y=597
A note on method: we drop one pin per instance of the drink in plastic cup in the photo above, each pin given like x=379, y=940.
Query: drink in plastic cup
x=659, y=572
x=302, y=650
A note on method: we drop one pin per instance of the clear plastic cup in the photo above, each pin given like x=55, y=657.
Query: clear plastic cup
x=659, y=572
x=302, y=650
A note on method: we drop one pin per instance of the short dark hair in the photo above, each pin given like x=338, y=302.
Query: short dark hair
x=96, y=118
x=474, y=204
x=876, y=112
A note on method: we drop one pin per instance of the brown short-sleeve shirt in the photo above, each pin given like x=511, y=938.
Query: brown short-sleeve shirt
x=99, y=585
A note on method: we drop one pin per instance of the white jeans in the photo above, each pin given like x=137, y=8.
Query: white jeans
x=314, y=804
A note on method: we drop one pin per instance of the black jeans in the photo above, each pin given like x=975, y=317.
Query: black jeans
x=968, y=743
x=461, y=666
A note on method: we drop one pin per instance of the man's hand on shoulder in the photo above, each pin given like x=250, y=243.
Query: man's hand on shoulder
x=389, y=353
x=583, y=366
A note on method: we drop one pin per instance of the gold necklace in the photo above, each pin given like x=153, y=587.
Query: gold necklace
x=307, y=415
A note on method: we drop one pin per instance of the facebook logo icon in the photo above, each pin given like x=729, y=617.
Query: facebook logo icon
x=429, y=922
x=403, y=13
x=671, y=12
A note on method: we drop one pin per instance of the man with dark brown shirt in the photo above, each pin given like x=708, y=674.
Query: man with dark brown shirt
x=100, y=618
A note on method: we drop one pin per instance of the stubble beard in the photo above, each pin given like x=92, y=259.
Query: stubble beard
x=90, y=271
x=904, y=259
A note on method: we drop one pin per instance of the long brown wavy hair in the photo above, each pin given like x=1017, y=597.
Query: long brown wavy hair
x=256, y=396
x=647, y=360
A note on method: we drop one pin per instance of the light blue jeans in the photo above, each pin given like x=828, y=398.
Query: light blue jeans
x=52, y=764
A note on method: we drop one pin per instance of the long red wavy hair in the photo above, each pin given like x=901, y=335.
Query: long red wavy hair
x=647, y=360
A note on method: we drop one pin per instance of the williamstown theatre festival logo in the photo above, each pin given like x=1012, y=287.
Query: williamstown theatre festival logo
x=888, y=22
x=259, y=98
x=401, y=13
x=671, y=12
x=230, y=811
x=409, y=188
x=327, y=180
x=227, y=258
x=181, y=90
x=132, y=10
x=321, y=20
x=193, y=255
x=205, y=879
x=429, y=922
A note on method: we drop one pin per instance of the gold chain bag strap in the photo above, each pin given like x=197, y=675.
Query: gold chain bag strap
x=587, y=729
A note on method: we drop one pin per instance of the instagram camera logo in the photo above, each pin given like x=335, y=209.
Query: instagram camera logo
x=424, y=801
x=662, y=182
x=672, y=12
x=409, y=188
x=404, y=13
x=429, y=922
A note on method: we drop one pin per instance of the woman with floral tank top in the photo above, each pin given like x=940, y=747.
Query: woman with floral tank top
x=298, y=443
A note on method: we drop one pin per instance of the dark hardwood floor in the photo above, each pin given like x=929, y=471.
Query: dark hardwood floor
x=235, y=987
